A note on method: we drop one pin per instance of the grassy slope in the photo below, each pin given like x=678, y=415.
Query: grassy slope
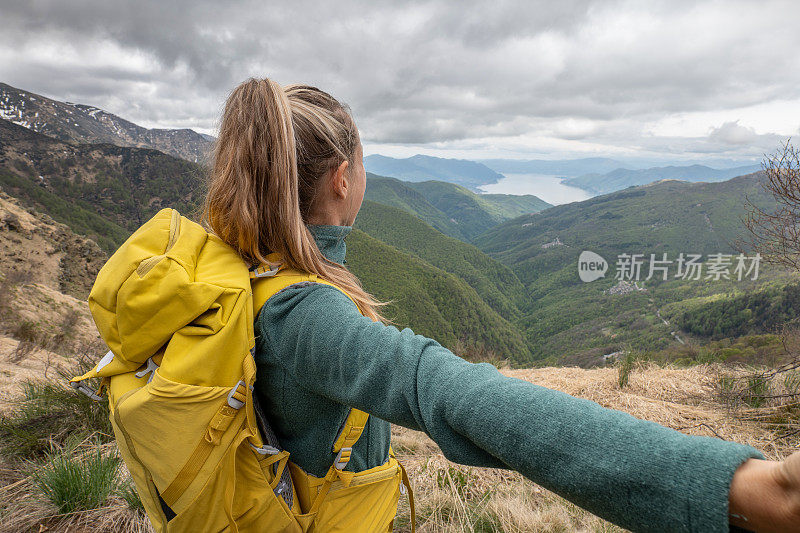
x=431, y=301
x=494, y=282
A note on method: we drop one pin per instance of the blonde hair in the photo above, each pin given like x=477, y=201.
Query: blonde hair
x=274, y=146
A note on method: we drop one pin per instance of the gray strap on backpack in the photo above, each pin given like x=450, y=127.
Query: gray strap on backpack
x=284, y=487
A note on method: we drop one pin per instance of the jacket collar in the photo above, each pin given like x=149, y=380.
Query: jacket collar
x=330, y=241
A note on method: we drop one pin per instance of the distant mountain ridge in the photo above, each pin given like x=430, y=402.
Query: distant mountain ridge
x=424, y=168
x=80, y=123
x=622, y=178
x=565, y=167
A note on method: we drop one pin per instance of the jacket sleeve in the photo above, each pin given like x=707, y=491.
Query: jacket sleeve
x=635, y=473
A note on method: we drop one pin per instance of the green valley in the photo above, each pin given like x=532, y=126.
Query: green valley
x=568, y=321
x=491, y=276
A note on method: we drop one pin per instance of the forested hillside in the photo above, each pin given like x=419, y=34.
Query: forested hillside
x=433, y=302
x=669, y=216
x=103, y=191
x=492, y=280
x=568, y=319
x=397, y=193
x=476, y=213
x=737, y=314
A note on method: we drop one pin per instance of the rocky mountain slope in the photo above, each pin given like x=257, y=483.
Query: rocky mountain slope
x=100, y=190
x=36, y=249
x=78, y=123
x=46, y=272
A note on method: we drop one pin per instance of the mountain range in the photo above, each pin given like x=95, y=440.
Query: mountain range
x=424, y=168
x=459, y=296
x=80, y=123
x=622, y=178
x=563, y=167
x=490, y=276
x=594, y=175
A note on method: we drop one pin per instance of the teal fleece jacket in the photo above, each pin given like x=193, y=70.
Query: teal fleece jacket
x=317, y=356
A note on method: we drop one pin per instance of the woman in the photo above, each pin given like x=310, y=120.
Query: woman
x=288, y=178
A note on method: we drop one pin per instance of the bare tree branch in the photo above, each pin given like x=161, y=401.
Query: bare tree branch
x=776, y=235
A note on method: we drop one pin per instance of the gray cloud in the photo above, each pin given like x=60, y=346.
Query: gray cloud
x=441, y=72
x=733, y=133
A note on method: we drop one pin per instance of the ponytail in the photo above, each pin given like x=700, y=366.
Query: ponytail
x=274, y=146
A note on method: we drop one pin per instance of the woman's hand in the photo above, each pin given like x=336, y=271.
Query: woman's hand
x=765, y=495
x=789, y=477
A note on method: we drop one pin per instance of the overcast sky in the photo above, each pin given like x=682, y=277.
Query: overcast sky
x=672, y=80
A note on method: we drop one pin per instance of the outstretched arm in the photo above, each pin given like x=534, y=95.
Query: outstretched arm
x=635, y=473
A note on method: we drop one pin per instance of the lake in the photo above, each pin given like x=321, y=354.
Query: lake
x=548, y=188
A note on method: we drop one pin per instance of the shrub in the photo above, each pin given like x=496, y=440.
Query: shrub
x=28, y=335
x=128, y=493
x=625, y=368
x=50, y=412
x=77, y=482
x=65, y=333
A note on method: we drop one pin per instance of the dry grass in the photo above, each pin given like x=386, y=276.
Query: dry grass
x=25, y=509
x=455, y=498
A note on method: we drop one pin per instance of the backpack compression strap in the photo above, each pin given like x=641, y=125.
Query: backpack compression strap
x=343, y=448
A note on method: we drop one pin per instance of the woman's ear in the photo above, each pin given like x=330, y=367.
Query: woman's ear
x=339, y=181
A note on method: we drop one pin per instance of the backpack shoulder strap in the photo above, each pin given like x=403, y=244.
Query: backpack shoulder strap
x=268, y=280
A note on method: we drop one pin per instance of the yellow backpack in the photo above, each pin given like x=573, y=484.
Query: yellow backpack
x=176, y=306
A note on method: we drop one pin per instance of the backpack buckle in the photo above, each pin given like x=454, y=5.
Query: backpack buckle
x=80, y=387
x=262, y=272
x=342, y=458
x=265, y=449
x=149, y=369
x=234, y=402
